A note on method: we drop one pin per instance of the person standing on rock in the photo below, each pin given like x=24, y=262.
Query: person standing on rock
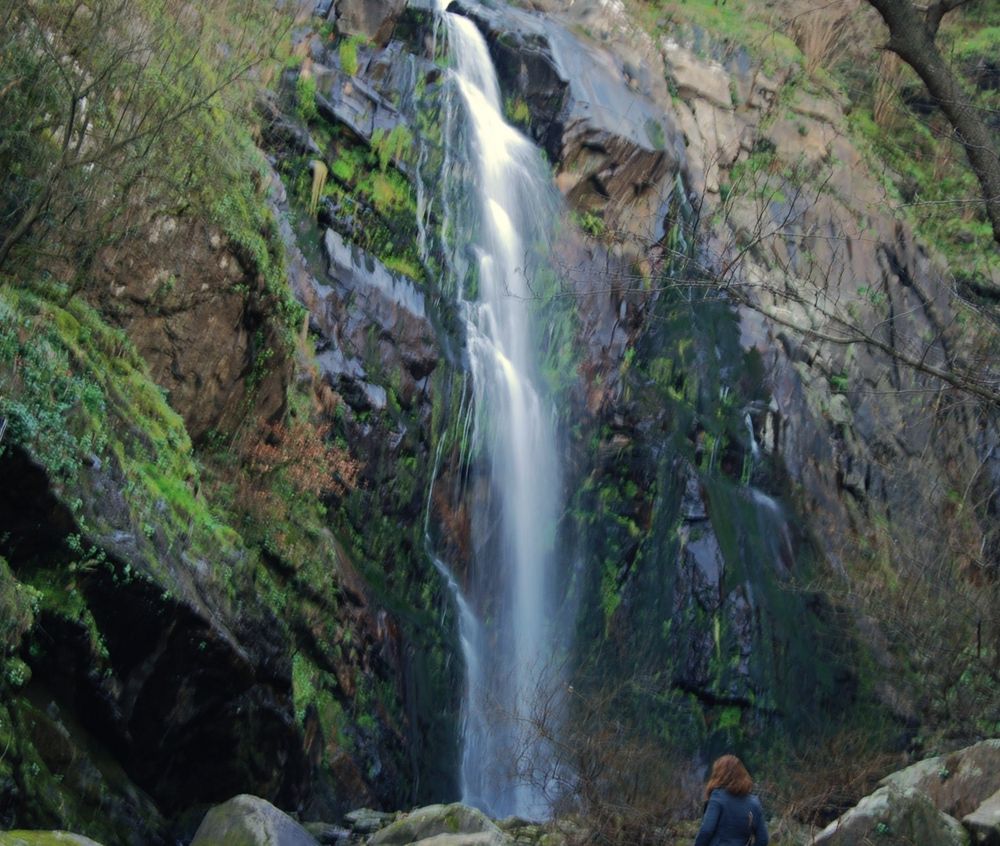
x=733, y=815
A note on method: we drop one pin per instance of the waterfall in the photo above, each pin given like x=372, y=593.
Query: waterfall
x=507, y=606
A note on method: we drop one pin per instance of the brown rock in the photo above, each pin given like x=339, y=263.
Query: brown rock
x=197, y=314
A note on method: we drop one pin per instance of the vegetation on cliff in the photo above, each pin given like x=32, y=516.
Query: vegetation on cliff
x=214, y=560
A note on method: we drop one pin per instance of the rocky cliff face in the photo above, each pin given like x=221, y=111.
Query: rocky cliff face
x=723, y=447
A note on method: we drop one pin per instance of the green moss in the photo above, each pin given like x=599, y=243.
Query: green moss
x=19, y=605
x=374, y=196
x=732, y=22
x=305, y=98
x=391, y=146
x=516, y=111
x=80, y=395
x=654, y=131
x=348, y=53
x=41, y=838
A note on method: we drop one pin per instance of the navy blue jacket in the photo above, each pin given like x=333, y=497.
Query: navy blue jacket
x=729, y=821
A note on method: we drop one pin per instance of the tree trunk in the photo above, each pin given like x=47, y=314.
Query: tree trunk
x=912, y=40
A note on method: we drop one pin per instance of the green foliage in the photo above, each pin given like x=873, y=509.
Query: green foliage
x=390, y=147
x=19, y=605
x=924, y=169
x=305, y=98
x=348, y=53
x=839, y=382
x=76, y=393
x=154, y=92
x=244, y=216
x=591, y=223
x=728, y=23
x=516, y=111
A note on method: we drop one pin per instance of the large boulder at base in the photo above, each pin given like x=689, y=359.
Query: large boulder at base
x=442, y=825
x=984, y=822
x=250, y=821
x=893, y=817
x=957, y=783
x=44, y=838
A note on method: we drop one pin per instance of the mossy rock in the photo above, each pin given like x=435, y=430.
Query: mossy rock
x=44, y=838
x=437, y=821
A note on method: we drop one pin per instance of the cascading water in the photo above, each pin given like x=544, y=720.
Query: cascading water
x=508, y=604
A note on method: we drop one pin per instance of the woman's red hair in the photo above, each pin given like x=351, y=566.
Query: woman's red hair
x=728, y=773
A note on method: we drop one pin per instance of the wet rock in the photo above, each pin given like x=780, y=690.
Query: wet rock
x=364, y=295
x=617, y=150
x=442, y=825
x=353, y=102
x=704, y=560
x=250, y=821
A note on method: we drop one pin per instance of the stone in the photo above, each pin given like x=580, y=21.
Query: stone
x=327, y=833
x=44, y=838
x=365, y=820
x=984, y=822
x=250, y=821
x=696, y=79
x=618, y=150
x=721, y=133
x=187, y=303
x=364, y=294
x=442, y=825
x=957, y=783
x=820, y=108
x=373, y=19
x=894, y=817
x=801, y=139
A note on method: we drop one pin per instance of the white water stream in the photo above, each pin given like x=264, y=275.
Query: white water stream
x=507, y=608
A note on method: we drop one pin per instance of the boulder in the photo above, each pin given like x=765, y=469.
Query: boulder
x=366, y=821
x=44, y=838
x=250, y=821
x=442, y=825
x=894, y=817
x=957, y=783
x=984, y=822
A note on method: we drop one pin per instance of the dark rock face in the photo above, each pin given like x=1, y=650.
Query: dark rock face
x=365, y=295
x=188, y=704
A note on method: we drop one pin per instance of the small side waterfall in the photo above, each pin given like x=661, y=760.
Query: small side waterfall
x=507, y=605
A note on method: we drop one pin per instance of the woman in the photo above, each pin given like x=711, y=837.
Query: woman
x=733, y=816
